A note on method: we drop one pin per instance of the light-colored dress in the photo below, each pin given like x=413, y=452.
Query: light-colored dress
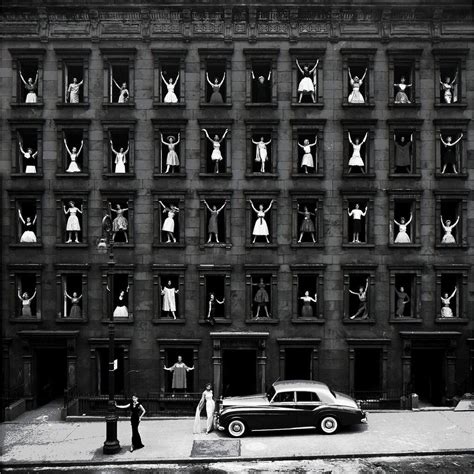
x=30, y=169
x=208, y=399
x=169, y=299
x=356, y=159
x=121, y=310
x=402, y=236
x=216, y=152
x=26, y=308
x=123, y=97
x=172, y=157
x=31, y=97
x=120, y=160
x=448, y=237
x=260, y=227
x=306, y=84
x=261, y=152
x=72, y=224
x=28, y=235
x=120, y=222
x=446, y=311
x=307, y=157
x=448, y=92
x=355, y=97
x=170, y=97
x=168, y=225
x=73, y=90
x=73, y=167
x=401, y=97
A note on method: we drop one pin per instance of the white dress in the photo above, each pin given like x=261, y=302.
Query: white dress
x=72, y=224
x=448, y=237
x=446, y=311
x=216, y=152
x=169, y=299
x=120, y=159
x=172, y=157
x=123, y=97
x=74, y=93
x=170, y=97
x=306, y=84
x=207, y=397
x=261, y=152
x=355, y=97
x=356, y=159
x=260, y=227
x=168, y=225
x=121, y=310
x=73, y=168
x=30, y=169
x=307, y=157
x=28, y=235
x=402, y=236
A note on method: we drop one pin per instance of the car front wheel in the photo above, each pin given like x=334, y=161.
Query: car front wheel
x=236, y=428
x=328, y=425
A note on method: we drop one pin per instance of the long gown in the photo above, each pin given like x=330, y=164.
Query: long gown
x=402, y=155
x=73, y=90
x=402, y=236
x=307, y=309
x=402, y=300
x=179, y=370
x=72, y=224
x=355, y=97
x=356, y=159
x=261, y=154
x=212, y=225
x=208, y=399
x=120, y=159
x=135, y=421
x=73, y=167
x=170, y=97
x=26, y=308
x=260, y=227
x=216, y=96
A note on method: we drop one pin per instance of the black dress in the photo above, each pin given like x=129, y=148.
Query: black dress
x=262, y=90
x=135, y=420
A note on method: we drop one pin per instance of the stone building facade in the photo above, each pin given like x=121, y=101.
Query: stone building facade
x=377, y=353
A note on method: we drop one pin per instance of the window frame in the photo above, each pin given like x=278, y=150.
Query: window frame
x=215, y=54
x=415, y=272
x=463, y=273
x=15, y=271
x=166, y=126
x=160, y=56
x=178, y=271
x=272, y=272
x=107, y=275
x=225, y=272
x=35, y=125
x=213, y=125
x=266, y=196
x=318, y=197
x=16, y=197
x=267, y=127
x=63, y=270
x=176, y=197
x=61, y=220
x=312, y=344
x=461, y=198
x=129, y=196
x=109, y=127
x=367, y=195
x=405, y=196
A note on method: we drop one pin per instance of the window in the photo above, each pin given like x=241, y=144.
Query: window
x=214, y=294
x=27, y=147
x=359, y=293
x=118, y=293
x=308, y=293
x=72, y=292
x=169, y=229
x=169, y=77
x=451, y=139
x=405, y=293
x=451, y=293
x=168, y=293
x=27, y=72
x=99, y=357
x=26, y=214
x=215, y=219
x=359, y=149
x=359, y=208
x=308, y=149
x=262, y=152
x=170, y=148
x=73, y=146
x=119, y=149
x=284, y=397
x=119, y=76
x=404, y=148
x=404, y=224
x=450, y=77
x=25, y=297
x=118, y=207
x=216, y=82
x=71, y=220
x=216, y=149
x=73, y=76
x=307, y=397
x=299, y=358
x=358, y=77
x=261, y=77
x=307, y=219
x=404, y=77
x=451, y=219
x=261, y=293
x=261, y=219
x=307, y=77
x=182, y=351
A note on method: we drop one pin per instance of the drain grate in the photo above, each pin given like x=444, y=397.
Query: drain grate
x=212, y=448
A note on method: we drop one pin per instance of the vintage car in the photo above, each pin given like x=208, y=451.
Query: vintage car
x=290, y=404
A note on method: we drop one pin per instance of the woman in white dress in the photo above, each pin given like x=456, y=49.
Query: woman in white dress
x=72, y=224
x=28, y=235
x=170, y=97
x=168, y=224
x=30, y=158
x=355, y=97
x=207, y=399
x=402, y=236
x=124, y=94
x=169, y=293
x=307, y=85
x=120, y=158
x=172, y=159
x=307, y=160
x=26, y=303
x=356, y=158
x=73, y=91
x=261, y=153
x=216, y=155
x=120, y=223
x=448, y=87
x=356, y=215
x=121, y=310
x=73, y=155
x=446, y=311
x=260, y=227
x=401, y=97
x=30, y=86
x=448, y=237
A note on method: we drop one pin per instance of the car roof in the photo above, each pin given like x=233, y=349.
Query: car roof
x=299, y=385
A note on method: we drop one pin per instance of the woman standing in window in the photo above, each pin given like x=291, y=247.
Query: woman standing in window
x=261, y=153
x=307, y=160
x=72, y=225
x=120, y=158
x=26, y=303
x=307, y=225
x=260, y=227
x=402, y=236
x=356, y=215
x=172, y=159
x=356, y=158
x=28, y=235
x=216, y=96
x=75, y=311
x=212, y=226
x=211, y=309
x=30, y=86
x=402, y=300
x=307, y=309
x=446, y=311
x=30, y=159
x=216, y=155
x=137, y=414
x=169, y=293
x=355, y=97
x=449, y=152
x=120, y=223
x=448, y=87
x=306, y=85
x=448, y=237
x=401, y=97
x=121, y=310
x=124, y=94
x=170, y=97
x=362, y=295
x=73, y=155
x=168, y=224
x=179, y=369
x=261, y=297
x=73, y=91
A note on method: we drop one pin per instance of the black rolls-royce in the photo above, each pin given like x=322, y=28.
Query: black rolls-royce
x=289, y=404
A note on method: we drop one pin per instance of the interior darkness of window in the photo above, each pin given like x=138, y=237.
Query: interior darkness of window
x=256, y=165
x=358, y=69
x=170, y=70
x=171, y=356
x=403, y=209
x=26, y=283
x=29, y=140
x=307, y=283
x=363, y=220
x=215, y=134
x=257, y=280
x=28, y=69
x=367, y=372
x=121, y=74
x=216, y=70
x=357, y=281
x=120, y=140
x=103, y=371
x=27, y=207
x=123, y=203
x=306, y=99
x=262, y=93
x=450, y=70
x=268, y=218
x=407, y=282
x=298, y=363
x=403, y=138
x=449, y=281
x=74, y=70
x=72, y=283
x=404, y=70
x=216, y=284
x=449, y=210
x=364, y=150
x=221, y=227
x=163, y=215
x=239, y=372
x=311, y=205
x=164, y=150
x=311, y=137
x=73, y=137
x=171, y=281
x=77, y=203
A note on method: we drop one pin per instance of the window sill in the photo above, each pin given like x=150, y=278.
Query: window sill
x=439, y=175
x=26, y=245
x=456, y=105
x=126, y=105
x=119, y=175
x=455, y=320
x=223, y=321
x=404, y=246
x=307, y=175
x=212, y=245
x=72, y=175
x=26, y=175
x=261, y=245
x=413, y=105
x=252, y=105
x=314, y=320
x=317, y=105
x=22, y=320
x=262, y=320
x=307, y=245
x=358, y=321
x=168, y=321
x=224, y=175
x=366, y=105
x=405, y=320
x=169, y=245
x=22, y=105
x=357, y=245
x=404, y=176
x=67, y=105
x=358, y=175
x=169, y=175
x=261, y=175
x=177, y=105
x=128, y=320
x=124, y=245
x=72, y=245
x=206, y=105
x=451, y=246
x=71, y=320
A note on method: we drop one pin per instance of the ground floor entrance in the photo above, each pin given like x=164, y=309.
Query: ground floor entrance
x=239, y=372
x=428, y=375
x=367, y=372
x=51, y=374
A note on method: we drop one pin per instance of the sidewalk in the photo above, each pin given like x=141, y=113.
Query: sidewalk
x=401, y=433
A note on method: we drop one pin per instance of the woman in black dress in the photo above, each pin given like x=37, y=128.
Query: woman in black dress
x=137, y=414
x=448, y=152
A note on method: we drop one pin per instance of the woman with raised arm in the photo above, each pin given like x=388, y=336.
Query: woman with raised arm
x=120, y=158
x=172, y=159
x=307, y=160
x=216, y=96
x=448, y=237
x=170, y=97
x=72, y=95
x=168, y=224
x=121, y=309
x=30, y=86
x=401, y=97
x=28, y=235
x=306, y=85
x=402, y=236
x=216, y=155
x=307, y=309
x=356, y=215
x=356, y=158
x=355, y=97
x=362, y=295
x=211, y=308
x=261, y=153
x=307, y=224
x=402, y=300
x=179, y=370
x=261, y=298
x=26, y=303
x=262, y=87
x=120, y=223
x=448, y=87
x=449, y=152
x=212, y=227
x=260, y=227
x=75, y=311
x=169, y=293
x=403, y=153
x=72, y=225
x=124, y=95
x=73, y=155
x=446, y=311
x=137, y=414
x=30, y=158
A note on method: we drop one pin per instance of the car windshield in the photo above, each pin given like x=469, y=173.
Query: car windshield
x=270, y=393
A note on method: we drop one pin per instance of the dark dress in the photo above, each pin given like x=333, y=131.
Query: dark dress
x=262, y=91
x=449, y=155
x=307, y=224
x=402, y=155
x=135, y=420
x=261, y=297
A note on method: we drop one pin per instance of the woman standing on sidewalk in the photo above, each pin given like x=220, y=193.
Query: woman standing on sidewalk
x=137, y=414
x=208, y=398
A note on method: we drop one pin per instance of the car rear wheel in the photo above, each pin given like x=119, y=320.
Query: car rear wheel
x=236, y=428
x=328, y=425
